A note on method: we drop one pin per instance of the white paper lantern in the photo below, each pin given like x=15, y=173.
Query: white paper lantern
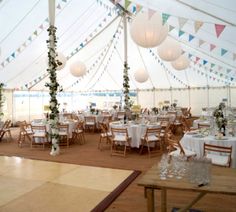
x=141, y=75
x=181, y=63
x=146, y=32
x=62, y=59
x=78, y=69
x=170, y=49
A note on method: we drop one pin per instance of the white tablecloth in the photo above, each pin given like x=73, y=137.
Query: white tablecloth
x=72, y=125
x=135, y=131
x=196, y=144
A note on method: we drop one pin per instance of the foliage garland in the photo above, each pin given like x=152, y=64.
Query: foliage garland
x=126, y=87
x=1, y=99
x=54, y=87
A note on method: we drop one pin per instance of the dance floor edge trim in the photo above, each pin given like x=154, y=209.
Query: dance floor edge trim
x=116, y=192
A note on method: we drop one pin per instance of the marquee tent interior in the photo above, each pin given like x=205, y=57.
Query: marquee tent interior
x=92, y=32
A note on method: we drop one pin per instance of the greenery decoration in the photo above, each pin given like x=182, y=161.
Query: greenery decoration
x=1, y=99
x=126, y=87
x=54, y=88
x=221, y=121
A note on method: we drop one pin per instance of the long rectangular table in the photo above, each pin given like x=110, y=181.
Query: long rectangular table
x=223, y=181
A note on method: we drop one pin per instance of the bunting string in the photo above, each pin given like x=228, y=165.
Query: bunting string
x=41, y=28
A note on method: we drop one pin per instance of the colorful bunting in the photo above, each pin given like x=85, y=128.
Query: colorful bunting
x=165, y=17
x=127, y=3
x=212, y=46
x=150, y=13
x=181, y=33
x=197, y=25
x=190, y=37
x=219, y=29
x=201, y=42
x=223, y=51
x=182, y=22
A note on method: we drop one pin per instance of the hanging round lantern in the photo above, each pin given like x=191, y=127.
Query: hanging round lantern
x=141, y=75
x=61, y=61
x=148, y=32
x=78, y=69
x=170, y=49
x=181, y=63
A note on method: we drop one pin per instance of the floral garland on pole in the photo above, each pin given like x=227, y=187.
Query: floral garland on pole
x=53, y=89
x=1, y=99
x=126, y=87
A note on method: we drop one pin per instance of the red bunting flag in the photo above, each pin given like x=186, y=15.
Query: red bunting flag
x=197, y=59
x=219, y=29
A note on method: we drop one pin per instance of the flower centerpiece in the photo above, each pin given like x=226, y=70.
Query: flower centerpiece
x=136, y=109
x=221, y=121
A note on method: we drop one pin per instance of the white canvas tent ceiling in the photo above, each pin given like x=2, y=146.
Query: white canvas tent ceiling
x=92, y=31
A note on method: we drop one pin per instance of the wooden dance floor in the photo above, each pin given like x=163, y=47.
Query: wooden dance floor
x=33, y=185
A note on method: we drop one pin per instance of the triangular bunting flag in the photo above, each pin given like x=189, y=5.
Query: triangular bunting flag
x=182, y=22
x=30, y=38
x=59, y=6
x=41, y=26
x=219, y=29
x=138, y=7
x=212, y=46
x=181, y=33
x=201, y=42
x=190, y=37
x=35, y=33
x=64, y=0
x=127, y=3
x=228, y=70
x=170, y=28
x=150, y=13
x=223, y=51
x=205, y=62
x=165, y=17
x=197, y=25
x=190, y=55
x=134, y=9
x=19, y=50
x=8, y=59
x=197, y=59
x=13, y=54
x=47, y=20
x=234, y=56
x=212, y=65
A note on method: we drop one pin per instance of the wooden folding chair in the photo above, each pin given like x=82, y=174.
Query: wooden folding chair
x=175, y=149
x=26, y=132
x=105, y=135
x=219, y=155
x=40, y=136
x=152, y=140
x=120, y=141
x=63, y=134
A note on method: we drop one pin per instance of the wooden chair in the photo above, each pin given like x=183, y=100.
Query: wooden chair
x=78, y=133
x=90, y=123
x=26, y=132
x=40, y=136
x=120, y=141
x=175, y=149
x=105, y=135
x=120, y=115
x=219, y=155
x=152, y=140
x=186, y=127
x=63, y=134
x=200, y=125
x=5, y=130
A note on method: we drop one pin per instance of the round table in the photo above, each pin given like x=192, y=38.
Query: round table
x=135, y=131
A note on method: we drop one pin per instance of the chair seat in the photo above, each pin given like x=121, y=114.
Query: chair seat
x=188, y=153
x=120, y=138
x=106, y=134
x=90, y=123
x=221, y=160
x=39, y=134
x=151, y=138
